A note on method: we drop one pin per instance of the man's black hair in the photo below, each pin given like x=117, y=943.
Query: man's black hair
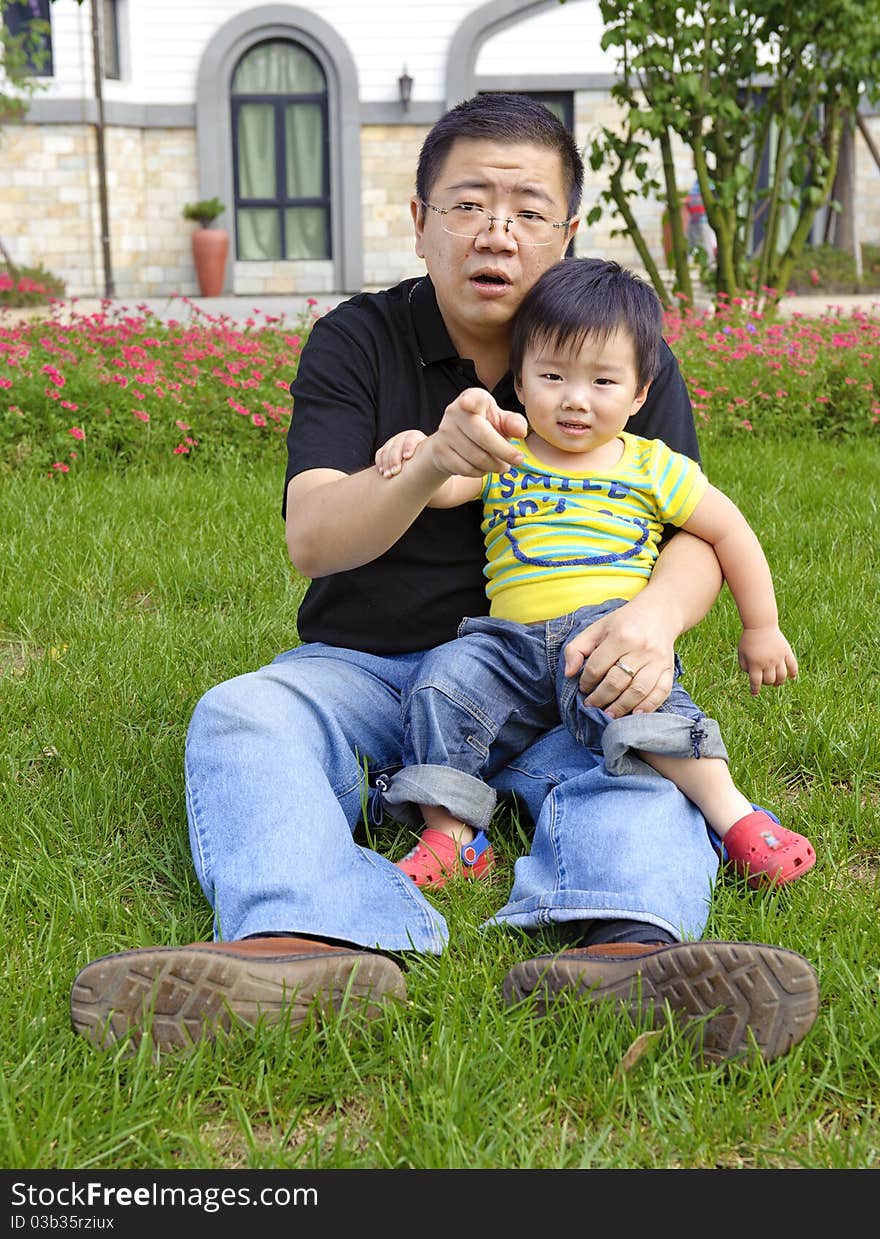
x=501, y=118
x=582, y=297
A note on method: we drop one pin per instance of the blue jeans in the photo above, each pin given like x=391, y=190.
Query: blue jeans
x=475, y=703
x=281, y=764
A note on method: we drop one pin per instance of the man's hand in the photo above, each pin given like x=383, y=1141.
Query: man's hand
x=472, y=438
x=767, y=658
x=625, y=660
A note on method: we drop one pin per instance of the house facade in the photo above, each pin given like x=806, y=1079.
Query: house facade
x=305, y=120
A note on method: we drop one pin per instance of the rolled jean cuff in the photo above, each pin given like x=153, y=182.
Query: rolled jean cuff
x=673, y=735
x=464, y=796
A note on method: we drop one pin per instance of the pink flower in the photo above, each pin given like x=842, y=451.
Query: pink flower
x=181, y=425
x=77, y=432
x=181, y=449
x=61, y=467
x=141, y=415
x=258, y=419
x=5, y=382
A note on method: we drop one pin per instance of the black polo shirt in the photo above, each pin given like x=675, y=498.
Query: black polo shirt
x=377, y=364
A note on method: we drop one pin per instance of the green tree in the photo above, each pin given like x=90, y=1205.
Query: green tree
x=20, y=54
x=739, y=83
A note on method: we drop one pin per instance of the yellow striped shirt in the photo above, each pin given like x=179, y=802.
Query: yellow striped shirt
x=557, y=541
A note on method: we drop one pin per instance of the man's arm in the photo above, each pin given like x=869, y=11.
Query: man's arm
x=336, y=521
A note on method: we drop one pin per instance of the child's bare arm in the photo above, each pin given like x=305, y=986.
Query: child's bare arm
x=393, y=455
x=763, y=651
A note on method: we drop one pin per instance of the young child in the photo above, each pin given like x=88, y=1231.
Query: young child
x=572, y=532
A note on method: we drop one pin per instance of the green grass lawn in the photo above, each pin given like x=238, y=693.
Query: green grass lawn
x=124, y=596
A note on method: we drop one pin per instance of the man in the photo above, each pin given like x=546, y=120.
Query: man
x=279, y=762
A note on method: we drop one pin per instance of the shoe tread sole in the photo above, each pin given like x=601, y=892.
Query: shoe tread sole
x=735, y=995
x=185, y=994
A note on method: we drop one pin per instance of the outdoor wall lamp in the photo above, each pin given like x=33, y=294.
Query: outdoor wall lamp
x=404, y=87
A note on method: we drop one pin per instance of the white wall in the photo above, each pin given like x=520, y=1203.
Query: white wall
x=562, y=39
x=163, y=41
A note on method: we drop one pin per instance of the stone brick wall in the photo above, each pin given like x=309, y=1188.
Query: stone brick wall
x=50, y=207
x=389, y=154
x=48, y=201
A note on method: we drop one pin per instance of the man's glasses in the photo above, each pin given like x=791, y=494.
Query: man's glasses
x=465, y=219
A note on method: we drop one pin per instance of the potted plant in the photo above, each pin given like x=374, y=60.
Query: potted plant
x=210, y=246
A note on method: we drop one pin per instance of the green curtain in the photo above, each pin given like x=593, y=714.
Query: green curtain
x=304, y=157
x=278, y=69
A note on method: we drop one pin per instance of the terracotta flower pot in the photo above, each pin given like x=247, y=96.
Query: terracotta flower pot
x=210, y=249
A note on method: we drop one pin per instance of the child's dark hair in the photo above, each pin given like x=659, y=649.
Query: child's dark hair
x=581, y=297
x=506, y=118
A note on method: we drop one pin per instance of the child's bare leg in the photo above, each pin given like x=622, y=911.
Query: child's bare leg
x=756, y=842
x=438, y=818
x=707, y=782
x=447, y=847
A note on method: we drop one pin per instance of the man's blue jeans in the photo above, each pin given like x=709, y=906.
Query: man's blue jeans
x=281, y=764
x=476, y=702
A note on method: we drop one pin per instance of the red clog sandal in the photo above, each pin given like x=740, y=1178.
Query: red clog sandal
x=435, y=859
x=758, y=846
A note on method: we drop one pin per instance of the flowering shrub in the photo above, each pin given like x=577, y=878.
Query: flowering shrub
x=123, y=388
x=29, y=286
x=127, y=387
x=818, y=375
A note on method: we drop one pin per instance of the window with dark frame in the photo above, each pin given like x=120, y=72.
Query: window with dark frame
x=17, y=18
x=280, y=150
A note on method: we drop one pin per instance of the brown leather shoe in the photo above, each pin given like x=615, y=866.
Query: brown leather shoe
x=734, y=998
x=180, y=994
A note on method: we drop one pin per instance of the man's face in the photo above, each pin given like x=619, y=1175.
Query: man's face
x=480, y=281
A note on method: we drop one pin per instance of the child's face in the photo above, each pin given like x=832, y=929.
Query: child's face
x=578, y=399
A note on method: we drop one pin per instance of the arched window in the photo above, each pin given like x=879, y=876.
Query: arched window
x=280, y=154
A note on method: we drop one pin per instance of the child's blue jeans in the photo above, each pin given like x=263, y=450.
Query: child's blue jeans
x=475, y=703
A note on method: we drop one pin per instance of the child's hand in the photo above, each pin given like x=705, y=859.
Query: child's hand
x=767, y=657
x=393, y=455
